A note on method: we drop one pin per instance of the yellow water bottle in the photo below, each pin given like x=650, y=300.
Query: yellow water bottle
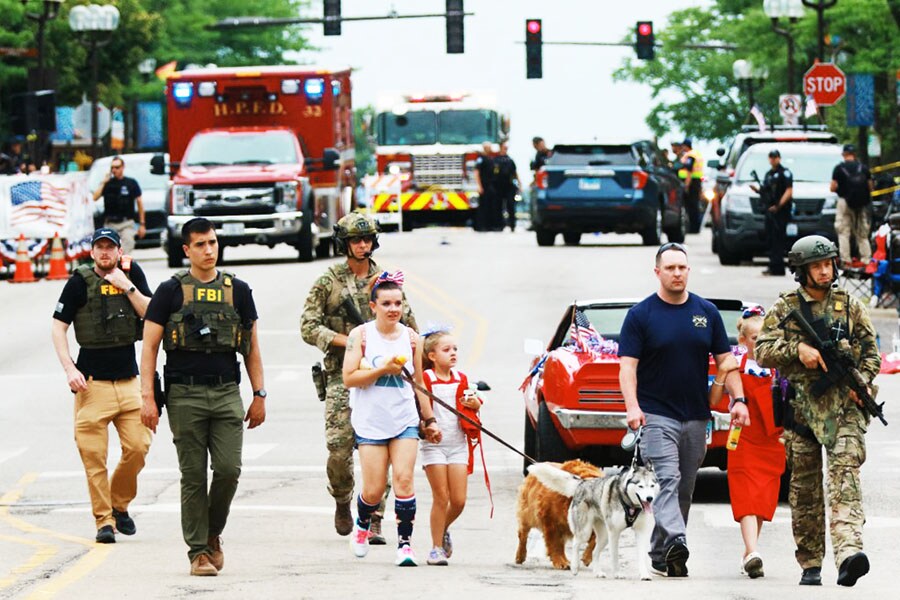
x=733, y=436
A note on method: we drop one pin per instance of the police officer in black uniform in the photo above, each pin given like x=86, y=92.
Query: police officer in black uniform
x=541, y=153
x=204, y=317
x=776, y=193
x=506, y=187
x=484, y=179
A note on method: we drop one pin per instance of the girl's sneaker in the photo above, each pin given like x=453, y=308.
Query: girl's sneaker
x=405, y=557
x=437, y=557
x=359, y=541
x=447, y=544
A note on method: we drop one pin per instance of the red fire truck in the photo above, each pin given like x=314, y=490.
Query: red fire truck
x=266, y=153
x=433, y=140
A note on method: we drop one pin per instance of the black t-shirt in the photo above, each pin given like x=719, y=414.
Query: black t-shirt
x=504, y=174
x=107, y=364
x=540, y=157
x=672, y=343
x=776, y=183
x=484, y=164
x=168, y=299
x=119, y=196
x=842, y=173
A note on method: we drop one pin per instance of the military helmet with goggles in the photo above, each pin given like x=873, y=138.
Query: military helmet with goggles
x=355, y=225
x=810, y=249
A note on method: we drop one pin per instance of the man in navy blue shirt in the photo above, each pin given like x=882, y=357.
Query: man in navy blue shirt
x=664, y=348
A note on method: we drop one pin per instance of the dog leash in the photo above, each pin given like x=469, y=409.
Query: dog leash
x=408, y=377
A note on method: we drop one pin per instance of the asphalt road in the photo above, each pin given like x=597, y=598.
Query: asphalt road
x=495, y=290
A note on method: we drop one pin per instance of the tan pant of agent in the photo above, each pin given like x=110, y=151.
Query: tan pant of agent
x=852, y=223
x=126, y=232
x=119, y=403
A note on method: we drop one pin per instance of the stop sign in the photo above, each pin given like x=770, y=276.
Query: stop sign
x=825, y=83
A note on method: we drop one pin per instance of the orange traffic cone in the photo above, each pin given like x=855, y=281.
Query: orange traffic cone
x=24, y=273
x=58, y=268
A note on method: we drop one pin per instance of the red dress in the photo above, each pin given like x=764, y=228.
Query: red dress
x=755, y=467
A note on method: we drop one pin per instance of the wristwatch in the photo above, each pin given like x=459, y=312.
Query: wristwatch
x=429, y=421
x=261, y=393
x=131, y=290
x=735, y=401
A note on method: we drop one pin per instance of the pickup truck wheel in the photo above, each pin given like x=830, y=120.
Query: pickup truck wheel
x=530, y=443
x=714, y=243
x=726, y=256
x=220, y=260
x=650, y=236
x=550, y=446
x=175, y=253
x=572, y=238
x=305, y=241
x=323, y=249
x=679, y=232
x=544, y=237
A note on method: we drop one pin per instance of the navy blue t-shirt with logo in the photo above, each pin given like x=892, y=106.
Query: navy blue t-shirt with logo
x=672, y=343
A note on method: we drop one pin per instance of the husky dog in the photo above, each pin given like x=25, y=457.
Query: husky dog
x=607, y=507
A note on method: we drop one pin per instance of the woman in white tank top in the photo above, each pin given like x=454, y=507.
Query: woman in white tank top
x=384, y=413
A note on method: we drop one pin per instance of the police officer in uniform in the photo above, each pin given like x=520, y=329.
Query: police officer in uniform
x=338, y=302
x=833, y=421
x=203, y=318
x=484, y=180
x=776, y=193
x=506, y=186
x=106, y=302
x=691, y=172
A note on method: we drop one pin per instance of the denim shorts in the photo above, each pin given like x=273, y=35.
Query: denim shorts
x=410, y=433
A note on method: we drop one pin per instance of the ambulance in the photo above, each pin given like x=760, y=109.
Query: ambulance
x=432, y=140
x=266, y=153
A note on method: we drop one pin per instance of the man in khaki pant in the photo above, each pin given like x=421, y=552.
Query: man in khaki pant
x=853, y=184
x=106, y=302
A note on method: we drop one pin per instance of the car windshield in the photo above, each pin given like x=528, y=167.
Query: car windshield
x=467, y=126
x=413, y=128
x=608, y=320
x=136, y=167
x=808, y=166
x=251, y=148
x=592, y=155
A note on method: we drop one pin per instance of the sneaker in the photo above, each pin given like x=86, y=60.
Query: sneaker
x=106, y=535
x=437, y=557
x=752, y=566
x=359, y=541
x=853, y=568
x=375, y=536
x=676, y=560
x=811, y=576
x=343, y=520
x=658, y=568
x=201, y=567
x=405, y=556
x=124, y=523
x=216, y=556
x=447, y=544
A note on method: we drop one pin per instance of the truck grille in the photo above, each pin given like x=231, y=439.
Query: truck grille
x=249, y=199
x=810, y=207
x=600, y=396
x=438, y=169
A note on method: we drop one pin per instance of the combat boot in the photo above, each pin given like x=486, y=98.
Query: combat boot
x=853, y=568
x=216, y=557
x=375, y=536
x=811, y=576
x=343, y=520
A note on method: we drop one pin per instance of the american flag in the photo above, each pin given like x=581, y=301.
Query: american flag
x=583, y=333
x=757, y=113
x=37, y=201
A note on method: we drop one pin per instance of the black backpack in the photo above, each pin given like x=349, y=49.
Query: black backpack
x=856, y=187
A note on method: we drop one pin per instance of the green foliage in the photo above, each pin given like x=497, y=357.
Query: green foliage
x=696, y=91
x=365, y=145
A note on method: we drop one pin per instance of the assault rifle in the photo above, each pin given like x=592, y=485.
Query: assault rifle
x=841, y=367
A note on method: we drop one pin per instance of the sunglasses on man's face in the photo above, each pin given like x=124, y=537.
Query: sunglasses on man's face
x=671, y=246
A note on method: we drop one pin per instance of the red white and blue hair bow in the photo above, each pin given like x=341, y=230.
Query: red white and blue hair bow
x=754, y=311
x=395, y=277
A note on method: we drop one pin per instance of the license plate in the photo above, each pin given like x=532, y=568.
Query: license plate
x=792, y=229
x=233, y=228
x=591, y=184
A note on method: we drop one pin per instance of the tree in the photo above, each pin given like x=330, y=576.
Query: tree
x=363, y=118
x=696, y=91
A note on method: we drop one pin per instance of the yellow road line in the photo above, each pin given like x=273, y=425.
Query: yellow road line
x=95, y=556
x=446, y=299
x=43, y=553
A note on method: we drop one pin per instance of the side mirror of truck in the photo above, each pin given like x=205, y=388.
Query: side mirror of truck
x=158, y=164
x=714, y=164
x=331, y=158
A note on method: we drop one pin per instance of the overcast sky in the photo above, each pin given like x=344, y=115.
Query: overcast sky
x=575, y=101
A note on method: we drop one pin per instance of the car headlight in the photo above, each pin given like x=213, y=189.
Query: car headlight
x=287, y=193
x=830, y=203
x=398, y=167
x=737, y=203
x=181, y=195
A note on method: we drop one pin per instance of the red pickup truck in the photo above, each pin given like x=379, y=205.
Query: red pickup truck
x=573, y=404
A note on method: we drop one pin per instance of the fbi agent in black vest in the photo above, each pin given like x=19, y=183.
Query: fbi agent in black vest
x=204, y=318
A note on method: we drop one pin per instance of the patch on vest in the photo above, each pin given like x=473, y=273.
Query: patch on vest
x=108, y=289
x=59, y=307
x=202, y=294
x=699, y=321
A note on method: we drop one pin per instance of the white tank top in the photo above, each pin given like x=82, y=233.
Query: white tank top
x=387, y=407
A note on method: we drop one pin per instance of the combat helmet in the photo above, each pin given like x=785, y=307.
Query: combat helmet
x=354, y=225
x=810, y=249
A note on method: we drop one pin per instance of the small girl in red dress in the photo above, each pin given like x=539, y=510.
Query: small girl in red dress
x=755, y=467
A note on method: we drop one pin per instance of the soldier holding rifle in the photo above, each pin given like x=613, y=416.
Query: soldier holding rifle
x=831, y=402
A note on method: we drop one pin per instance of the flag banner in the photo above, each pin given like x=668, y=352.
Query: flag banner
x=40, y=206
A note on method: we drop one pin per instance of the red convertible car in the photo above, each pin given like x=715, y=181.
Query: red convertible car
x=573, y=404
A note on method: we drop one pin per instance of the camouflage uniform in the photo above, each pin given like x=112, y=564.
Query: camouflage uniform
x=831, y=421
x=323, y=318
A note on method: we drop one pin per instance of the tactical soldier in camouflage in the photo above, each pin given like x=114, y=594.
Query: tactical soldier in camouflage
x=338, y=302
x=833, y=419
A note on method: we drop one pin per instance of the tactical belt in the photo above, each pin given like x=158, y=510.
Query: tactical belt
x=202, y=379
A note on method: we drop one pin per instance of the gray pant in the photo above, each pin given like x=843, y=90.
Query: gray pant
x=676, y=450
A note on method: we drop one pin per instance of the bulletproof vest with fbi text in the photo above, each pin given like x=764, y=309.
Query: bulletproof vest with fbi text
x=107, y=319
x=207, y=320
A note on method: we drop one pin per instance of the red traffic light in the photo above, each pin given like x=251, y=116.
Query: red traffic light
x=645, y=29
x=533, y=26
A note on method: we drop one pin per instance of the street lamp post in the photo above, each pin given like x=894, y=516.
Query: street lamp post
x=749, y=77
x=49, y=12
x=790, y=10
x=820, y=6
x=93, y=21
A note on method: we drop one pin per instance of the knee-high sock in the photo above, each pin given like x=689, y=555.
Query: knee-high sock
x=364, y=512
x=405, y=509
